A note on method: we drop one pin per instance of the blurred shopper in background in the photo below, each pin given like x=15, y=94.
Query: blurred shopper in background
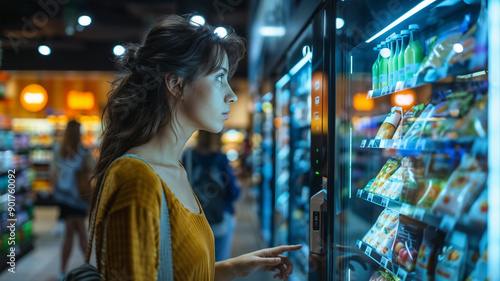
x=71, y=162
x=173, y=83
x=216, y=187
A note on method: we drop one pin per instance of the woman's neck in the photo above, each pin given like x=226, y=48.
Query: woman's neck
x=165, y=147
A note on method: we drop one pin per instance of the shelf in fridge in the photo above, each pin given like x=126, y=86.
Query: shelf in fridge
x=446, y=223
x=383, y=261
x=440, y=75
x=424, y=144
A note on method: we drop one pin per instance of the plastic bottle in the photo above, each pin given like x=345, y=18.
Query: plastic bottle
x=414, y=53
x=405, y=38
x=390, y=65
x=382, y=66
x=395, y=59
x=375, y=73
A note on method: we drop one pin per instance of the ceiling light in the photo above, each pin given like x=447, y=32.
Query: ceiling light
x=197, y=20
x=340, y=23
x=272, y=31
x=44, y=50
x=84, y=20
x=221, y=32
x=118, y=50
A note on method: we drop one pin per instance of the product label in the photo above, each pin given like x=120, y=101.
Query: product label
x=393, y=118
x=401, y=74
x=391, y=77
x=411, y=69
x=375, y=82
x=383, y=78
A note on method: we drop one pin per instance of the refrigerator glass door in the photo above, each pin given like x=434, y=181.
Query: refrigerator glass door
x=411, y=140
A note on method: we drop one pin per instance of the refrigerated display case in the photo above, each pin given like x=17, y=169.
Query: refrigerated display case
x=293, y=143
x=410, y=132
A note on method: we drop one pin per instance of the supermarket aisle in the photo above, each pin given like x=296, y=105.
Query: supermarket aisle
x=42, y=264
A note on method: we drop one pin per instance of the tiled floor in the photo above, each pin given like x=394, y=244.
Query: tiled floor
x=42, y=264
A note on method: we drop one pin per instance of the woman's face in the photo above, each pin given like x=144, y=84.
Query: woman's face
x=205, y=103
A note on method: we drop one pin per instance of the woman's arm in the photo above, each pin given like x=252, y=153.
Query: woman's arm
x=264, y=260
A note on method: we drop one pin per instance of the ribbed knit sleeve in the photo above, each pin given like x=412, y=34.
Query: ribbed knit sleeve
x=128, y=221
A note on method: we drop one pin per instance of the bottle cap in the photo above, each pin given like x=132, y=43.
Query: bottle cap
x=413, y=27
x=405, y=32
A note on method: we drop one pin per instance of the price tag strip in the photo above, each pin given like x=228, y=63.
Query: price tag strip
x=382, y=143
x=405, y=209
x=419, y=214
x=363, y=143
x=401, y=273
x=370, y=197
x=371, y=143
x=447, y=223
x=368, y=251
x=384, y=262
x=385, y=201
x=360, y=193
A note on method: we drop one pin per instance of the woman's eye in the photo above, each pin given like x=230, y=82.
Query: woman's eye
x=219, y=78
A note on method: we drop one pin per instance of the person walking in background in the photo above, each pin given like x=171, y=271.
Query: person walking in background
x=71, y=159
x=216, y=187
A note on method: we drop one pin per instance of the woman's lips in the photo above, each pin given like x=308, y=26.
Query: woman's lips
x=225, y=115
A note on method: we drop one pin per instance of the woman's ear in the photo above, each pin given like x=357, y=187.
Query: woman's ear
x=174, y=84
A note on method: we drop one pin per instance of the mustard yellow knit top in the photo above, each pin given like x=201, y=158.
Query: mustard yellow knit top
x=127, y=233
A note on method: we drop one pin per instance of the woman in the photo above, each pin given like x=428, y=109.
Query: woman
x=70, y=157
x=175, y=82
x=216, y=188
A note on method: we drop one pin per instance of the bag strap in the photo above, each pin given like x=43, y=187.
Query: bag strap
x=166, y=269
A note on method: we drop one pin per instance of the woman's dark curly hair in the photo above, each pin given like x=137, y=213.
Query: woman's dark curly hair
x=138, y=106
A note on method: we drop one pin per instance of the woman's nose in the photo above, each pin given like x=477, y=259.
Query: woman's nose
x=231, y=97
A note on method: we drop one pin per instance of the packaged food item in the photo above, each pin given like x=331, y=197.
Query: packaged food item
x=372, y=234
x=383, y=276
x=428, y=252
x=412, y=178
x=443, y=46
x=407, y=243
x=451, y=261
x=463, y=186
x=385, y=173
x=430, y=191
x=381, y=235
x=480, y=272
x=478, y=213
x=410, y=117
x=468, y=43
x=416, y=128
x=392, y=187
x=390, y=124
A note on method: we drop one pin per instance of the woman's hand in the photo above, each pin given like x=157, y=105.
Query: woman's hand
x=270, y=259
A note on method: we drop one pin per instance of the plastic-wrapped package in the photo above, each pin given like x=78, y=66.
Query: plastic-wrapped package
x=416, y=128
x=443, y=46
x=427, y=254
x=412, y=178
x=428, y=195
x=463, y=186
x=468, y=43
x=451, y=261
x=381, y=235
x=407, y=243
x=478, y=213
x=385, y=173
x=392, y=187
x=410, y=117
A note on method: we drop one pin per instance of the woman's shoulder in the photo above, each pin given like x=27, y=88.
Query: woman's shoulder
x=132, y=180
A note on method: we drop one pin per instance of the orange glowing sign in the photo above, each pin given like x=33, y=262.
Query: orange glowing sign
x=80, y=100
x=404, y=98
x=33, y=97
x=360, y=102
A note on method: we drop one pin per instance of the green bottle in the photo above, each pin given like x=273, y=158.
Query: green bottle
x=375, y=74
x=383, y=65
x=390, y=65
x=395, y=60
x=414, y=53
x=405, y=38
